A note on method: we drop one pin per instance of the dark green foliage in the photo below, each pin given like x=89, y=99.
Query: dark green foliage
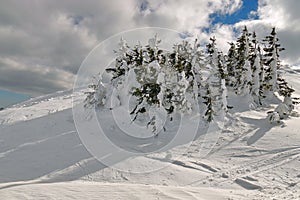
x=213, y=91
x=272, y=63
x=208, y=101
x=231, y=60
x=221, y=66
x=284, y=89
x=149, y=91
x=242, y=48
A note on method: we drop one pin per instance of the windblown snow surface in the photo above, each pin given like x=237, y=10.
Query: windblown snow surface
x=42, y=157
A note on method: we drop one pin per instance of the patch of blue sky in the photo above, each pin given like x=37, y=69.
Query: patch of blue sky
x=76, y=20
x=247, y=11
x=8, y=98
x=144, y=6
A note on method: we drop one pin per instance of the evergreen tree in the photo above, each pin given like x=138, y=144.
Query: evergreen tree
x=161, y=82
x=208, y=101
x=284, y=89
x=231, y=64
x=261, y=74
x=272, y=62
x=243, y=66
x=257, y=71
x=215, y=89
x=273, y=80
x=223, y=74
x=124, y=58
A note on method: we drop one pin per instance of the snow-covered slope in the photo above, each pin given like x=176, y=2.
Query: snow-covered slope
x=42, y=157
x=94, y=190
x=39, y=107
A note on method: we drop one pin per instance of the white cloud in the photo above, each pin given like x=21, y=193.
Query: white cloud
x=182, y=15
x=54, y=36
x=282, y=14
x=224, y=34
x=285, y=16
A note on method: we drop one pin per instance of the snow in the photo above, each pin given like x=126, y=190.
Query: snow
x=42, y=157
x=274, y=117
x=92, y=190
x=39, y=107
x=283, y=110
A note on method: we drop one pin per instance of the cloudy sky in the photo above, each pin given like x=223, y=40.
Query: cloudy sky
x=43, y=42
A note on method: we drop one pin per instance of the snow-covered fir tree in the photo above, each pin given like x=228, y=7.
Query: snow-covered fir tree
x=257, y=71
x=243, y=66
x=274, y=81
x=272, y=62
x=231, y=64
x=215, y=88
x=223, y=74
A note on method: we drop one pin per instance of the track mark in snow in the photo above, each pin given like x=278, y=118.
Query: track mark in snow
x=250, y=178
x=106, y=156
x=252, y=167
x=182, y=164
x=239, y=131
x=247, y=185
x=72, y=172
x=3, y=154
x=206, y=166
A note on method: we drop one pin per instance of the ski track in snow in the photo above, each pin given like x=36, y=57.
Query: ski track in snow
x=253, y=167
x=3, y=154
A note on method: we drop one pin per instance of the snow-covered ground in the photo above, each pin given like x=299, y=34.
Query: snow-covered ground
x=95, y=190
x=42, y=157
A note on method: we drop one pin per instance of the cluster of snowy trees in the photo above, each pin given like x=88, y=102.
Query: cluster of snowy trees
x=192, y=79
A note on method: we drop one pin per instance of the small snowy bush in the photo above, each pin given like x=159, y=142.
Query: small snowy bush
x=282, y=110
x=273, y=117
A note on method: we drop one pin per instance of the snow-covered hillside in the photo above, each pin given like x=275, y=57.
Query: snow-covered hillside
x=42, y=157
